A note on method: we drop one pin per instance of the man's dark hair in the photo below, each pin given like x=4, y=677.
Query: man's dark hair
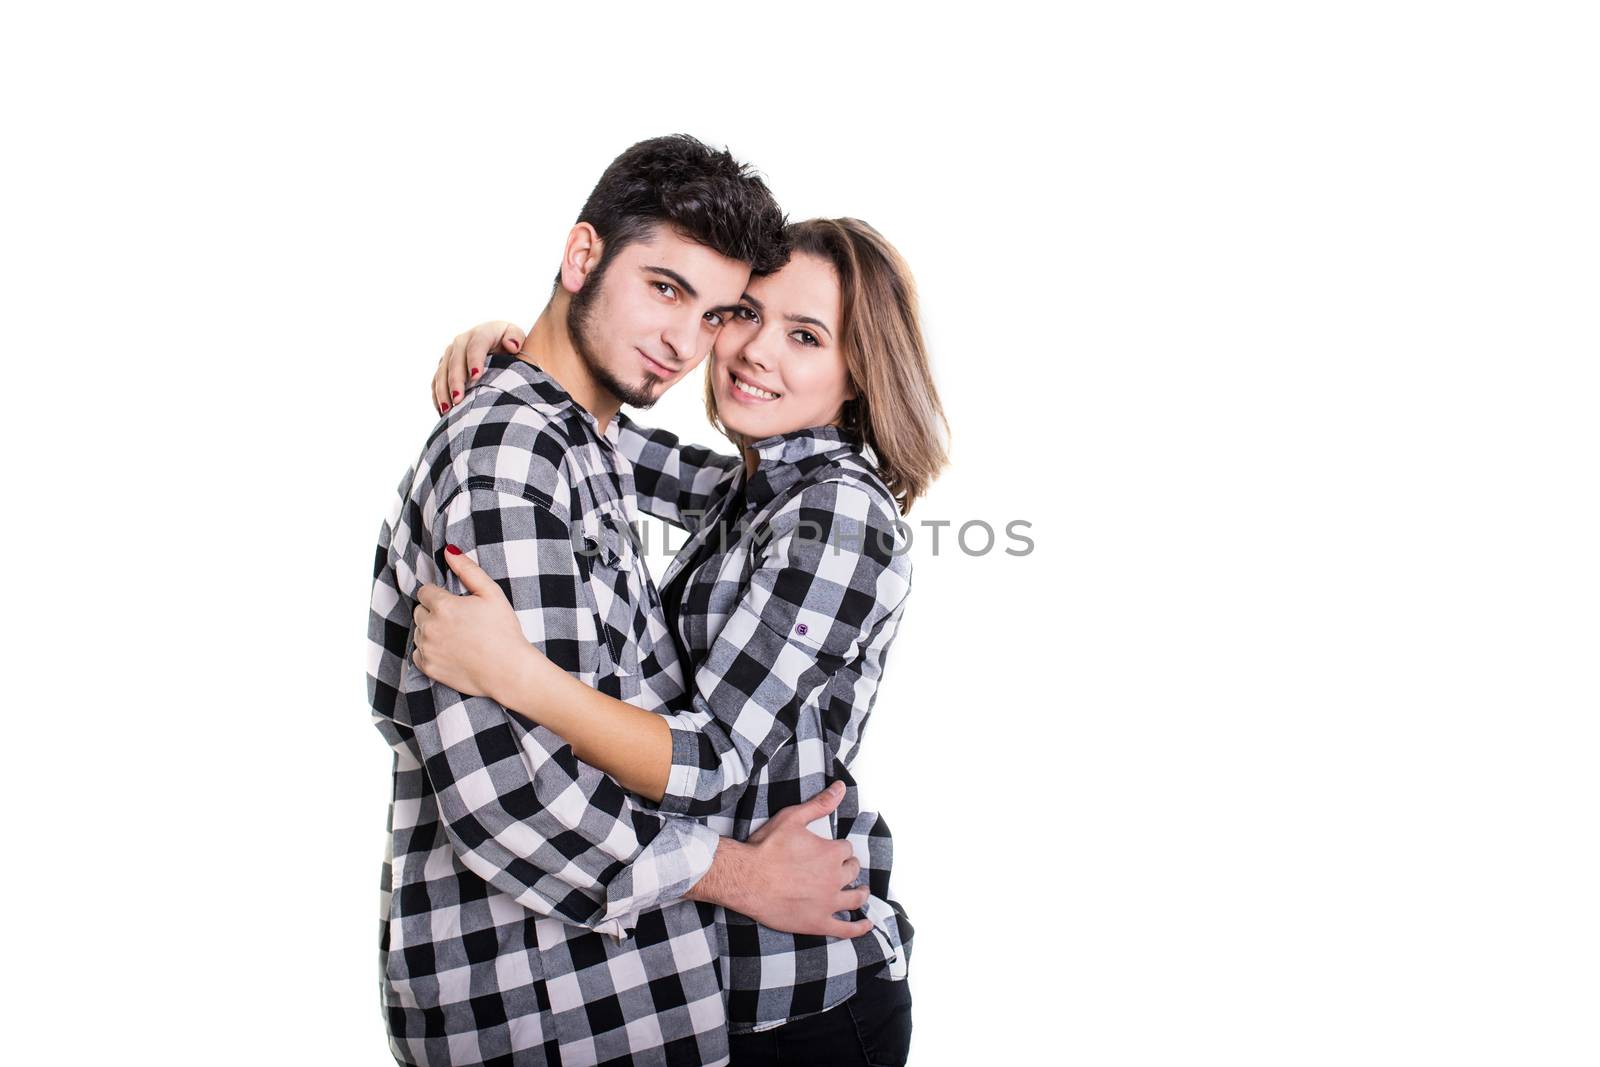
x=707, y=195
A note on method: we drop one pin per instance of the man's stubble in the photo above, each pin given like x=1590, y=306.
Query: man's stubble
x=580, y=316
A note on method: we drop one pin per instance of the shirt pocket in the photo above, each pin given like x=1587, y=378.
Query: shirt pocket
x=606, y=543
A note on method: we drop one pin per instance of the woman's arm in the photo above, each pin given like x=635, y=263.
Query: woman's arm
x=475, y=645
x=830, y=582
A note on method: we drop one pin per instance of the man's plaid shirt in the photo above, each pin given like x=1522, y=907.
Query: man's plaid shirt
x=523, y=893
x=785, y=600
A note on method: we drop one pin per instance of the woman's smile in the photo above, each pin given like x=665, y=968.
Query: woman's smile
x=749, y=392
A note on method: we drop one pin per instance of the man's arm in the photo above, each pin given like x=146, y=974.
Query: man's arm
x=521, y=811
x=675, y=482
x=556, y=833
x=826, y=584
x=788, y=878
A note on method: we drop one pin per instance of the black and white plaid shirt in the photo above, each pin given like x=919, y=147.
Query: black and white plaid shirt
x=523, y=893
x=785, y=599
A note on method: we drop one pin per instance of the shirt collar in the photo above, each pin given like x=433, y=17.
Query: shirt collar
x=531, y=385
x=784, y=459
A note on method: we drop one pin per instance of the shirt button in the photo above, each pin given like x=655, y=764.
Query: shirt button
x=802, y=629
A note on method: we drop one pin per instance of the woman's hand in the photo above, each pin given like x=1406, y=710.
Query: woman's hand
x=463, y=360
x=473, y=644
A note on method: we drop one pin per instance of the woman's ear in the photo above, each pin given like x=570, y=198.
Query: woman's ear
x=580, y=257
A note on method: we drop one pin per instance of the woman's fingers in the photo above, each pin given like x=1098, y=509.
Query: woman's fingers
x=473, y=577
x=419, y=635
x=441, y=386
x=852, y=869
x=465, y=357
x=455, y=368
x=510, y=340
x=470, y=351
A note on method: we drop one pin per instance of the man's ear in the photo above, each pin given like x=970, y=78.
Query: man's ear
x=580, y=257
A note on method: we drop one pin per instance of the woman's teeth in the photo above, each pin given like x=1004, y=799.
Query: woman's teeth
x=753, y=391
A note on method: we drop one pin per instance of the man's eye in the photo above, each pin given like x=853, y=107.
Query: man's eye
x=665, y=290
x=805, y=337
x=714, y=318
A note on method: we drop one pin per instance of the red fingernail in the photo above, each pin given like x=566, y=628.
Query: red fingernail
x=474, y=372
x=442, y=408
x=452, y=549
x=454, y=393
x=513, y=345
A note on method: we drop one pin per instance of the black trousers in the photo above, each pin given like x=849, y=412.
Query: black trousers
x=871, y=1029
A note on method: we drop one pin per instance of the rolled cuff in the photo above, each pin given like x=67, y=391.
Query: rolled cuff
x=691, y=784
x=667, y=868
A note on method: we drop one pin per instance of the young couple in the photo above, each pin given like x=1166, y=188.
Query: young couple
x=623, y=827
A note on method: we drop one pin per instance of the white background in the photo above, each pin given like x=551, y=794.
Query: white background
x=1278, y=322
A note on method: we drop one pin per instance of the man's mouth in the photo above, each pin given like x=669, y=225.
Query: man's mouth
x=658, y=369
x=753, y=391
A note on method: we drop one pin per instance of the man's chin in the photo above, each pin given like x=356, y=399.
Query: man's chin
x=641, y=394
x=645, y=394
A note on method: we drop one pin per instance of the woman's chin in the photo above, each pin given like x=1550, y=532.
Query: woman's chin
x=739, y=421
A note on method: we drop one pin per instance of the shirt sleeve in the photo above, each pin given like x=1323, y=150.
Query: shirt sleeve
x=828, y=579
x=676, y=483
x=521, y=811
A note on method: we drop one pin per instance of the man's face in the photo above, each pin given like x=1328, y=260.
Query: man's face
x=653, y=313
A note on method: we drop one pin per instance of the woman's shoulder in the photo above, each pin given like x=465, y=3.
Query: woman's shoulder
x=845, y=503
x=854, y=471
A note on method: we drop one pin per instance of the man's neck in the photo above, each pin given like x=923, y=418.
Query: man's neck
x=549, y=346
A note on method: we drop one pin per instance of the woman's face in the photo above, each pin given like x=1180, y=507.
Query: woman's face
x=778, y=366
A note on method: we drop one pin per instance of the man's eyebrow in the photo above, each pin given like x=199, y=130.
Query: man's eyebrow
x=678, y=279
x=809, y=321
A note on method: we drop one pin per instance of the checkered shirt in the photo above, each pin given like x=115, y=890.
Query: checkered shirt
x=786, y=598
x=532, y=908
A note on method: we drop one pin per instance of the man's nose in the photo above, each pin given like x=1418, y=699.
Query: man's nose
x=683, y=336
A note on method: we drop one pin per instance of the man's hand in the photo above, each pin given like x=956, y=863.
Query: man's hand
x=463, y=360
x=788, y=878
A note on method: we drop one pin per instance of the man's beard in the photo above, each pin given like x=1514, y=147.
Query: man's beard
x=579, y=311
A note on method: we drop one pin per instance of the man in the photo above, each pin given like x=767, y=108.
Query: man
x=534, y=910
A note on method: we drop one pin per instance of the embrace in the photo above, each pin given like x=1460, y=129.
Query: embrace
x=623, y=826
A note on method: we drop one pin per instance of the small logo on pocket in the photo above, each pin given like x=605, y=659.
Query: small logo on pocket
x=802, y=629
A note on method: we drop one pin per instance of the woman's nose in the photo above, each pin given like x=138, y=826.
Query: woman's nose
x=757, y=354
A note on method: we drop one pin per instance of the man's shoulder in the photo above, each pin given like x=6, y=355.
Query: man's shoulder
x=496, y=442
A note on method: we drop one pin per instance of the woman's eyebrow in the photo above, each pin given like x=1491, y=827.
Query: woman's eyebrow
x=809, y=321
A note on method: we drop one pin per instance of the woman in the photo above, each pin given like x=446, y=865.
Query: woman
x=785, y=600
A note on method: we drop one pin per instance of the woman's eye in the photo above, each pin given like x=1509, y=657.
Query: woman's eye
x=805, y=337
x=665, y=290
x=746, y=314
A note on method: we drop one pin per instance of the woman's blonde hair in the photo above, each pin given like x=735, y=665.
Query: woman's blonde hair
x=896, y=410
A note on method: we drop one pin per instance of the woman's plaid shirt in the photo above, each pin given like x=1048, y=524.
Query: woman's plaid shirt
x=523, y=891
x=787, y=597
